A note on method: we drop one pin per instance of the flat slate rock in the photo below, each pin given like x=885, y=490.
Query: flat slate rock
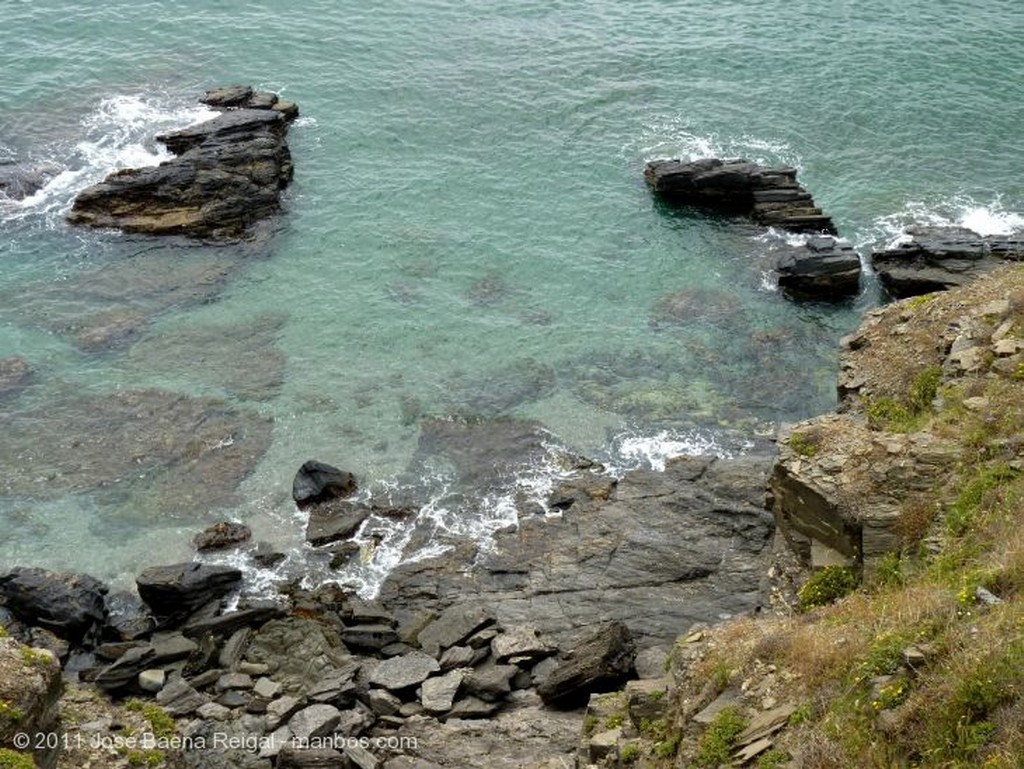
x=455, y=625
x=939, y=258
x=405, y=671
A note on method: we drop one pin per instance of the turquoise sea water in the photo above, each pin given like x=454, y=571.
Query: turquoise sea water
x=468, y=235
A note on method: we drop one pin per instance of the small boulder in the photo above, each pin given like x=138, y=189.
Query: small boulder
x=601, y=662
x=318, y=482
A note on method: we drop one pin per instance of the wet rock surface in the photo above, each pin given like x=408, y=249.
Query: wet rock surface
x=228, y=174
x=19, y=180
x=771, y=196
x=824, y=269
x=665, y=549
x=939, y=258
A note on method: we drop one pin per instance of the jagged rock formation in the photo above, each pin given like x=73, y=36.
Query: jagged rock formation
x=771, y=196
x=939, y=258
x=228, y=174
x=844, y=483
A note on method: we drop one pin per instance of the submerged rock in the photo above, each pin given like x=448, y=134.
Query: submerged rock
x=771, y=196
x=940, y=258
x=20, y=180
x=222, y=535
x=15, y=375
x=228, y=174
x=182, y=454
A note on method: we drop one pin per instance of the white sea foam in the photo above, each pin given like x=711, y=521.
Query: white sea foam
x=678, y=138
x=959, y=211
x=118, y=134
x=644, y=451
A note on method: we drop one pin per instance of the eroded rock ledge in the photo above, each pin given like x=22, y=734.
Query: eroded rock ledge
x=844, y=484
x=228, y=174
x=771, y=196
x=939, y=258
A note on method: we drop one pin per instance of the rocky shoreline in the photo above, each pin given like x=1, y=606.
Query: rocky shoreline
x=480, y=655
x=556, y=610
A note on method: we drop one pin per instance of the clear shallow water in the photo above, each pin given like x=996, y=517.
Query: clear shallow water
x=468, y=234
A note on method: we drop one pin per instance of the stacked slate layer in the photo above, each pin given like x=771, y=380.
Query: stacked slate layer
x=771, y=196
x=823, y=268
x=940, y=258
x=227, y=175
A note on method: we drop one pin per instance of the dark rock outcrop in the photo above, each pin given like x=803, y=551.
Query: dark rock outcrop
x=228, y=174
x=940, y=258
x=600, y=663
x=68, y=604
x=771, y=196
x=824, y=269
x=319, y=482
x=335, y=520
x=174, y=592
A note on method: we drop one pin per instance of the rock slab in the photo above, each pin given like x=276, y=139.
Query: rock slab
x=771, y=196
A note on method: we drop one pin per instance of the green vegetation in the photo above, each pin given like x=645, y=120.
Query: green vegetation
x=630, y=753
x=773, y=759
x=719, y=739
x=162, y=725
x=12, y=759
x=3, y=632
x=910, y=412
x=828, y=585
x=9, y=714
x=145, y=758
x=35, y=657
x=804, y=444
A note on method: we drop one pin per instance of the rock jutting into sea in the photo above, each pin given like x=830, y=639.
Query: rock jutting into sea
x=940, y=258
x=824, y=268
x=770, y=196
x=227, y=175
